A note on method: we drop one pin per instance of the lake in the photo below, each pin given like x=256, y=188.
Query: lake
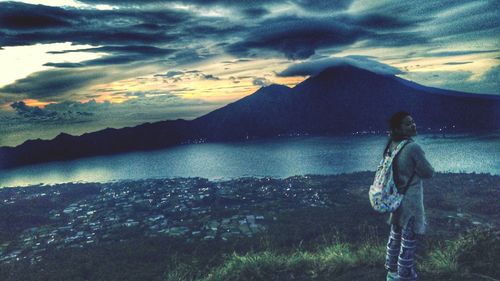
x=277, y=157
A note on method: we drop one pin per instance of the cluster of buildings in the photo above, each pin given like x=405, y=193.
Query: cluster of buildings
x=193, y=209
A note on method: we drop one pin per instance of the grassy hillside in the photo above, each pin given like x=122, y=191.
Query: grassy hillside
x=468, y=258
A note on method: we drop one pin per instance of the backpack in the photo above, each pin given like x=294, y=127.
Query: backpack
x=384, y=195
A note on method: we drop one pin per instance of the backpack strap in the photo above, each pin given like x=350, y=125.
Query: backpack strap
x=398, y=148
x=402, y=190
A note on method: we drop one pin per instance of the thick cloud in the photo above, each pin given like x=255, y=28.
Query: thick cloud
x=300, y=37
x=63, y=84
x=25, y=24
x=297, y=38
x=176, y=75
x=314, y=67
x=37, y=114
x=18, y=16
x=52, y=83
x=109, y=60
x=89, y=107
x=31, y=111
x=121, y=55
x=157, y=103
x=92, y=36
x=132, y=49
x=391, y=24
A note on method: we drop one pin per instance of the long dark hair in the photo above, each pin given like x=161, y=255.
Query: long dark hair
x=394, y=124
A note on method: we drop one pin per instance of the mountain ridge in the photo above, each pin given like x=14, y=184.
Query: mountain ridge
x=338, y=100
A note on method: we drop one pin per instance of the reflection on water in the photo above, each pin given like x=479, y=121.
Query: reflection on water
x=279, y=157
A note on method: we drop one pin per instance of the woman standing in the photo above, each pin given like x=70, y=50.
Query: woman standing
x=409, y=168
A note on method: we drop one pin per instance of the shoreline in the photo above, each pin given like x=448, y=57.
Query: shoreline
x=219, y=180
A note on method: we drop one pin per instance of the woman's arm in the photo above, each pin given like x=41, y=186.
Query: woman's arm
x=422, y=167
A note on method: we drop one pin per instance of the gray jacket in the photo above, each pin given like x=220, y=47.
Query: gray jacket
x=411, y=159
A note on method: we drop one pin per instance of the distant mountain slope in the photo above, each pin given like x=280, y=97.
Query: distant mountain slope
x=345, y=99
x=341, y=99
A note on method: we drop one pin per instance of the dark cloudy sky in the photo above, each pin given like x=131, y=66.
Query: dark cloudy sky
x=79, y=66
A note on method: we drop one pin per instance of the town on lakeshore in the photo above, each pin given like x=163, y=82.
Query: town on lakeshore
x=80, y=214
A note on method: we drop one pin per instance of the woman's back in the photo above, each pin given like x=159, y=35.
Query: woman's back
x=410, y=163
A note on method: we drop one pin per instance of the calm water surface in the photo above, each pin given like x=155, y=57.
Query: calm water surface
x=279, y=157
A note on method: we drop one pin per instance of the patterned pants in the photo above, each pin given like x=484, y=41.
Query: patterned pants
x=401, y=249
